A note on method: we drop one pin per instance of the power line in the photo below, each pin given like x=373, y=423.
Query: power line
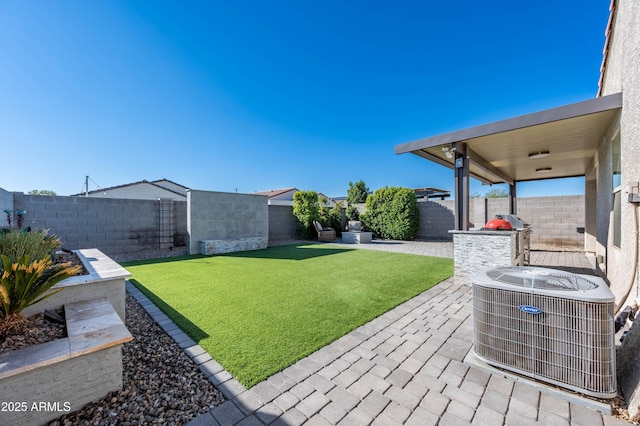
x=85, y=187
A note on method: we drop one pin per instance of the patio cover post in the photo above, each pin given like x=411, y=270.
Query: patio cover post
x=512, y=198
x=461, y=186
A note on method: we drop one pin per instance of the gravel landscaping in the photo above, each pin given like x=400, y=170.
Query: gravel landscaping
x=38, y=330
x=161, y=385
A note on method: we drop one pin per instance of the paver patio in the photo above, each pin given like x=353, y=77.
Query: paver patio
x=405, y=367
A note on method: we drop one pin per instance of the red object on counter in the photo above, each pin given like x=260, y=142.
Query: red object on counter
x=498, y=225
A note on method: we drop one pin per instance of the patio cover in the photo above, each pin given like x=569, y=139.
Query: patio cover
x=565, y=138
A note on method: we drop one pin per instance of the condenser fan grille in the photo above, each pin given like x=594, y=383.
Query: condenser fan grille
x=540, y=278
x=564, y=341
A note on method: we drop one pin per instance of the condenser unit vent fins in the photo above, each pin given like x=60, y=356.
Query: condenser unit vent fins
x=564, y=341
x=541, y=279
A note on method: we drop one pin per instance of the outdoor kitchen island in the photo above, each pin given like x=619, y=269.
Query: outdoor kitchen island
x=478, y=249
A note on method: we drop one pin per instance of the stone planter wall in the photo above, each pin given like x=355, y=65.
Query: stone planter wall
x=105, y=280
x=48, y=380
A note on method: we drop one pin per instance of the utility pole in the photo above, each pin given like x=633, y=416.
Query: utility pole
x=86, y=186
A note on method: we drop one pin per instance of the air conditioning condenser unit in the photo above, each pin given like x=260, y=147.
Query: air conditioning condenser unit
x=547, y=324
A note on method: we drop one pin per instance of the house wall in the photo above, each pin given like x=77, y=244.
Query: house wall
x=621, y=263
x=621, y=75
x=590, y=193
x=111, y=225
x=172, y=186
x=285, y=195
x=603, y=208
x=6, y=203
x=226, y=217
x=140, y=191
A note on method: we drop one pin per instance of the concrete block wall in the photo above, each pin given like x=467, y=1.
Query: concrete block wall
x=225, y=216
x=282, y=223
x=500, y=206
x=118, y=225
x=436, y=219
x=555, y=221
x=166, y=222
x=180, y=236
x=111, y=225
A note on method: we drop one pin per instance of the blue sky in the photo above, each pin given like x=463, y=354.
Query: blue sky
x=252, y=96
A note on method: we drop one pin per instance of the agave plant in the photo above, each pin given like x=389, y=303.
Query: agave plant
x=25, y=282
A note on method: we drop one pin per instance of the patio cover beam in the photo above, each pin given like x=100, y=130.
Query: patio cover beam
x=500, y=150
x=483, y=164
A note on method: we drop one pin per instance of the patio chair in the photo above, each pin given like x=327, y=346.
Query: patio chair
x=324, y=234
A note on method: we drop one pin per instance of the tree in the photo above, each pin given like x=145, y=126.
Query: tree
x=496, y=193
x=42, y=192
x=392, y=212
x=352, y=213
x=357, y=192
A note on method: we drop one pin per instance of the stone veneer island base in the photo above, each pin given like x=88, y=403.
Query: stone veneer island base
x=476, y=250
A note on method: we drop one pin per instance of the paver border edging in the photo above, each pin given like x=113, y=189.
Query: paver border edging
x=220, y=377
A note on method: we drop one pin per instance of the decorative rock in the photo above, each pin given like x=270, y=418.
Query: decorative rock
x=165, y=398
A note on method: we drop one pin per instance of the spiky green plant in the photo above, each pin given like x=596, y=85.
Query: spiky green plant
x=24, y=283
x=37, y=245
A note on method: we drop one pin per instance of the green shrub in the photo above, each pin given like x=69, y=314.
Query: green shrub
x=331, y=217
x=392, y=212
x=306, y=209
x=309, y=206
x=36, y=245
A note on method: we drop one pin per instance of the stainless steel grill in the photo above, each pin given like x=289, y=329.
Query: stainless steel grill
x=514, y=220
x=561, y=336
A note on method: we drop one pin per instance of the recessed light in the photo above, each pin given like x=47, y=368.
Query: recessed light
x=543, y=170
x=539, y=154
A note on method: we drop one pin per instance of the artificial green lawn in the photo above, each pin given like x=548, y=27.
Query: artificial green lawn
x=258, y=312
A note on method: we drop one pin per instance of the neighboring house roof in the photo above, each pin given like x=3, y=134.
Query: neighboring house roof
x=277, y=192
x=163, y=184
x=285, y=196
x=169, y=184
